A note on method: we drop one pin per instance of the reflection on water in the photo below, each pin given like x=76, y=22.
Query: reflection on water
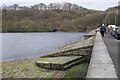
x=27, y=45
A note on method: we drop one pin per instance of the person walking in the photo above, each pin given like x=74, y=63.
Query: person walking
x=102, y=30
x=111, y=31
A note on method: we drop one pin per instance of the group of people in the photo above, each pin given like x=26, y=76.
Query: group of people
x=104, y=30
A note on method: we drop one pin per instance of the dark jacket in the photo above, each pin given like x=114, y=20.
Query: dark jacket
x=103, y=29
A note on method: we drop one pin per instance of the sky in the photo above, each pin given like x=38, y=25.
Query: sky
x=90, y=4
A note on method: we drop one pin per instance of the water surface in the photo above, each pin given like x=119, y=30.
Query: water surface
x=28, y=45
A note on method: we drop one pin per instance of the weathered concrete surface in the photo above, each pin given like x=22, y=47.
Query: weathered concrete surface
x=101, y=65
x=90, y=34
x=60, y=63
x=84, y=43
x=79, y=48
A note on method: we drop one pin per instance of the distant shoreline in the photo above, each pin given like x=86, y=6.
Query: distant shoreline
x=42, y=31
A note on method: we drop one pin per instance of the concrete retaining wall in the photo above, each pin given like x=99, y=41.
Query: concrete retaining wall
x=101, y=65
x=59, y=63
x=82, y=48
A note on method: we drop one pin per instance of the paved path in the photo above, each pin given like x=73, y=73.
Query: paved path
x=113, y=47
x=101, y=65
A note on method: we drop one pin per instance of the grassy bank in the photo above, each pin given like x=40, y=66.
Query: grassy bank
x=78, y=71
x=28, y=69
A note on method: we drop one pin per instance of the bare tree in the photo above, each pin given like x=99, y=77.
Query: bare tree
x=4, y=7
x=42, y=6
x=66, y=6
x=75, y=6
x=35, y=6
x=52, y=6
x=58, y=5
x=15, y=6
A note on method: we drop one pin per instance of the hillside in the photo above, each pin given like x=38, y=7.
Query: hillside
x=112, y=16
x=32, y=20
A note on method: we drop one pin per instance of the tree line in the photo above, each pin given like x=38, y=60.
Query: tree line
x=35, y=20
x=42, y=6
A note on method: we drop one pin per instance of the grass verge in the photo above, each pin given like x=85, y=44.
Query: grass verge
x=78, y=71
x=28, y=69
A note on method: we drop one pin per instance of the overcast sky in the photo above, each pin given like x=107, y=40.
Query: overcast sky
x=90, y=4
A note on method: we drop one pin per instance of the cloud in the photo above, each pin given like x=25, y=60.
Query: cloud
x=98, y=5
x=99, y=0
x=59, y=1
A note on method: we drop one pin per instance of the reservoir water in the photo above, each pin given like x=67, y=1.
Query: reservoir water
x=15, y=46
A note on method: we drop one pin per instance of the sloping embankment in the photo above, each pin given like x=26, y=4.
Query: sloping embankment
x=76, y=49
x=60, y=63
x=28, y=69
x=81, y=49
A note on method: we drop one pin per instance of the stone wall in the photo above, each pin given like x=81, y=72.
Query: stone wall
x=84, y=51
x=82, y=48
